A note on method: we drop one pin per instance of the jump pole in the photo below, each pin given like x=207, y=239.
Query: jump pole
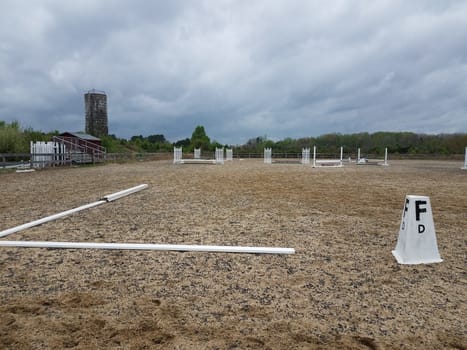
x=105, y=199
x=385, y=157
x=314, y=156
x=145, y=246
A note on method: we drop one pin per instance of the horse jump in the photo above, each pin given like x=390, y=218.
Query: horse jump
x=178, y=157
x=335, y=163
x=305, y=157
x=366, y=161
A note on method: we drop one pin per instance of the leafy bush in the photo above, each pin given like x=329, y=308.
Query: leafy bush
x=12, y=139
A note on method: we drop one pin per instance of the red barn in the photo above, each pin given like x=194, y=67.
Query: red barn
x=84, y=147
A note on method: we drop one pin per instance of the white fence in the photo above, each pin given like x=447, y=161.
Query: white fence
x=46, y=153
x=197, y=153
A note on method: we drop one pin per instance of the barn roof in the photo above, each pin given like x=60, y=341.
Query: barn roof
x=81, y=135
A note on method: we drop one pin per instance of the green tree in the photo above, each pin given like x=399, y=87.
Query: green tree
x=199, y=139
x=157, y=138
x=183, y=143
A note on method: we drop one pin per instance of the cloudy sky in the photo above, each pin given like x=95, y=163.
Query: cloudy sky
x=239, y=68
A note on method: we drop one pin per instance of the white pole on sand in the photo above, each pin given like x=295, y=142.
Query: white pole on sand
x=117, y=195
x=146, y=246
x=105, y=199
x=49, y=218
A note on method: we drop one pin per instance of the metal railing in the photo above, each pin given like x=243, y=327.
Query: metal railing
x=80, y=150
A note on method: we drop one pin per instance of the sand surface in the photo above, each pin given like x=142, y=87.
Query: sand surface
x=342, y=288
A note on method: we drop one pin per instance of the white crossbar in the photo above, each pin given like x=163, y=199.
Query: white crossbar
x=147, y=246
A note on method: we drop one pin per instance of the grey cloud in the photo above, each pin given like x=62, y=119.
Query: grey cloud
x=241, y=69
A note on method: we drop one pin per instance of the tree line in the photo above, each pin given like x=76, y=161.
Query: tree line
x=369, y=143
x=15, y=139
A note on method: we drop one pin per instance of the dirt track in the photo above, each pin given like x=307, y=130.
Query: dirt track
x=342, y=288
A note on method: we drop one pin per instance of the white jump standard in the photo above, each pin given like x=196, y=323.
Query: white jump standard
x=305, y=156
x=229, y=154
x=268, y=156
x=465, y=160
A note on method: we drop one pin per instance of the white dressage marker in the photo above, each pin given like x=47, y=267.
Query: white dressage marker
x=417, y=238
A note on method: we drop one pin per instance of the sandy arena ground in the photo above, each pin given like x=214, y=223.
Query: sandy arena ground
x=342, y=288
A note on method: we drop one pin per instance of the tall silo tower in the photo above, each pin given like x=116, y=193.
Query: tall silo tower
x=96, y=113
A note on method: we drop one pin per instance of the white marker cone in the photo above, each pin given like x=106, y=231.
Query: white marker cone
x=417, y=238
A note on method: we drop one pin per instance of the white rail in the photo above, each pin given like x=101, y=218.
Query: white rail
x=105, y=199
x=147, y=246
